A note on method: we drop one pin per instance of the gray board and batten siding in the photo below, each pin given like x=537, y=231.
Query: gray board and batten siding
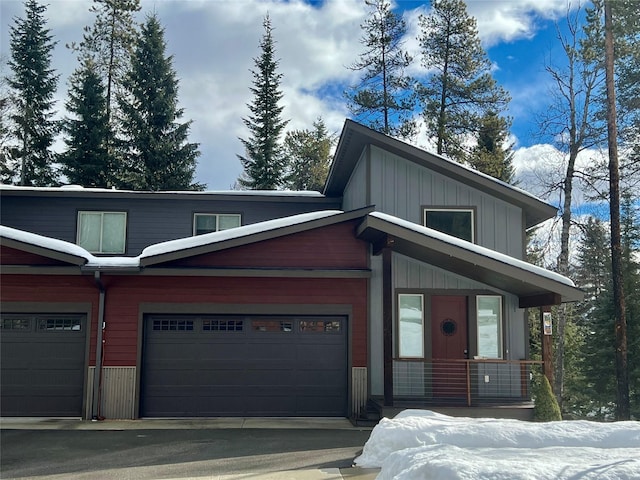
x=358, y=142
x=152, y=217
x=416, y=276
x=403, y=188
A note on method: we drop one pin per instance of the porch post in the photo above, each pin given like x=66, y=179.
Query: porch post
x=546, y=344
x=387, y=324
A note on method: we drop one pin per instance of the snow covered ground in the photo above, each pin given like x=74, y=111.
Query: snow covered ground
x=420, y=444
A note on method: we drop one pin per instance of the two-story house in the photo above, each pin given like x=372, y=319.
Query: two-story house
x=403, y=283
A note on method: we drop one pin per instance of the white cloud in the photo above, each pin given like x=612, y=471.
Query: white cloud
x=507, y=20
x=214, y=44
x=541, y=169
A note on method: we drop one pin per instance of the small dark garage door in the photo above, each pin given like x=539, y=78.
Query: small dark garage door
x=43, y=360
x=197, y=366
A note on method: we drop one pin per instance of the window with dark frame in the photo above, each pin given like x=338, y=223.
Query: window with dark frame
x=457, y=222
x=223, y=325
x=214, y=222
x=173, y=325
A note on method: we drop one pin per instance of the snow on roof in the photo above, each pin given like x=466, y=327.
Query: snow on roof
x=248, y=230
x=79, y=188
x=67, y=248
x=232, y=233
x=472, y=247
x=45, y=242
x=164, y=247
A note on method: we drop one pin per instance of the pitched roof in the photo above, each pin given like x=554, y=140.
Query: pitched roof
x=535, y=286
x=355, y=137
x=234, y=237
x=176, y=249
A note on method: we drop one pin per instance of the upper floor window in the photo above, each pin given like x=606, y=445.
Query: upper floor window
x=102, y=232
x=457, y=222
x=214, y=222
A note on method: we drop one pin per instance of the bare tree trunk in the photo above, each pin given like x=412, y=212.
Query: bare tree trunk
x=622, y=369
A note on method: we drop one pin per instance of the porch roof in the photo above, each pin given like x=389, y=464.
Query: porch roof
x=534, y=286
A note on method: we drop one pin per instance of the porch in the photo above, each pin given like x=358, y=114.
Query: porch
x=469, y=387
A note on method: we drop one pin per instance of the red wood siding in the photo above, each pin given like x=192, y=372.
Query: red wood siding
x=12, y=256
x=334, y=246
x=125, y=293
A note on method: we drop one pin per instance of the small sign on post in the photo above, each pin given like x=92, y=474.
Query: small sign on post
x=546, y=323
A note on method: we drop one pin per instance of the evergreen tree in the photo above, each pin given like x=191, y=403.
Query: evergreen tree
x=264, y=163
x=618, y=44
x=8, y=169
x=630, y=222
x=86, y=161
x=595, y=395
x=33, y=83
x=157, y=152
x=592, y=395
x=461, y=90
x=493, y=155
x=109, y=43
x=384, y=99
x=309, y=154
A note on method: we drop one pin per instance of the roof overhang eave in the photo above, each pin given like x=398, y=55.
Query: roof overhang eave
x=532, y=289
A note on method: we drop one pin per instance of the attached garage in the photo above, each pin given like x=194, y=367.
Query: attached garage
x=43, y=364
x=206, y=366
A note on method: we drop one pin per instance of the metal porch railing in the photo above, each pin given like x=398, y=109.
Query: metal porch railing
x=460, y=382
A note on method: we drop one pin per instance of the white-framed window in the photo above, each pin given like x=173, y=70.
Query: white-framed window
x=458, y=222
x=214, y=222
x=410, y=325
x=102, y=232
x=489, y=315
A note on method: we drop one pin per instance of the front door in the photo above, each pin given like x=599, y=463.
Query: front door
x=449, y=346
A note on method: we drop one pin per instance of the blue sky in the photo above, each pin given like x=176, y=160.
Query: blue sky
x=214, y=43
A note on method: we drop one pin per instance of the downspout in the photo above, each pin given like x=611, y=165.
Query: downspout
x=97, y=373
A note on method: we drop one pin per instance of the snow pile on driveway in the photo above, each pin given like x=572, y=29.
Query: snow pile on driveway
x=420, y=444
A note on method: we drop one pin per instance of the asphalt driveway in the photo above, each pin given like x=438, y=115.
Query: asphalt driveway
x=143, y=450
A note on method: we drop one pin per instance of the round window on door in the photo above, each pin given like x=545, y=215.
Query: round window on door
x=448, y=327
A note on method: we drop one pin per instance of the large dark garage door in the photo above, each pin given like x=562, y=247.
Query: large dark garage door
x=244, y=366
x=42, y=365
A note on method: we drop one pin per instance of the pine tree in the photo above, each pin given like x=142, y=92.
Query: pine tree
x=308, y=153
x=33, y=83
x=264, y=163
x=109, y=43
x=596, y=394
x=384, y=98
x=593, y=394
x=630, y=226
x=86, y=161
x=493, y=155
x=159, y=157
x=461, y=90
x=8, y=169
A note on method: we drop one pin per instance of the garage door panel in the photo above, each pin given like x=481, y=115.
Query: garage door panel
x=43, y=364
x=245, y=366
